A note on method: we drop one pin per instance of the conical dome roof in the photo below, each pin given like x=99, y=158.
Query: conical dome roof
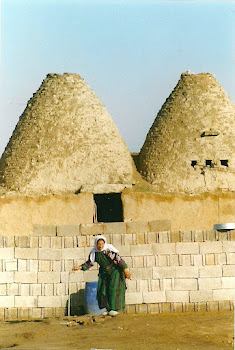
x=65, y=141
x=190, y=147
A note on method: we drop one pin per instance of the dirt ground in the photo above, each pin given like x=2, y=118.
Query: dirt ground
x=184, y=331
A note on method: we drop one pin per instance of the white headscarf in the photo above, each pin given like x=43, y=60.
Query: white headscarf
x=96, y=250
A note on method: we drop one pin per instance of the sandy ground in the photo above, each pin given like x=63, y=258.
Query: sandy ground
x=184, y=331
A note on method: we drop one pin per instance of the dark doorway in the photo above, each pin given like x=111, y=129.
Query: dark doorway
x=109, y=207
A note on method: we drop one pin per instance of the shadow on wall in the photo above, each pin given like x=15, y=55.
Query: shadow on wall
x=77, y=304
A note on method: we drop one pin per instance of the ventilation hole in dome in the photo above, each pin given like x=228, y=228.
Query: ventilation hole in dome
x=209, y=163
x=224, y=162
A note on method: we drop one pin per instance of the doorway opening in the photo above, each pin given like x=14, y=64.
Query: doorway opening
x=109, y=207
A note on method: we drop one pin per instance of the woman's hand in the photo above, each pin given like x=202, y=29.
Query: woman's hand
x=127, y=274
x=76, y=268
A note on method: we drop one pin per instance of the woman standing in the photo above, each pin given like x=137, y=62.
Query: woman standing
x=112, y=273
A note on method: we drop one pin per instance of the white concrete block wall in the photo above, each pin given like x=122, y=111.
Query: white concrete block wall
x=166, y=275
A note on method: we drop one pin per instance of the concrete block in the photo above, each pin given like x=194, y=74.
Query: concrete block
x=187, y=248
x=213, y=306
x=23, y=313
x=7, y=253
x=22, y=265
x=44, y=265
x=25, y=277
x=142, y=286
x=36, y=312
x=6, y=301
x=187, y=236
x=198, y=236
x=48, y=277
x=26, y=253
x=130, y=309
x=33, y=242
x=125, y=250
x=225, y=305
x=117, y=240
x=23, y=242
x=49, y=254
x=35, y=289
x=185, y=260
x=3, y=289
x=186, y=272
x=153, y=308
x=9, y=241
x=44, y=242
x=142, y=309
x=131, y=286
x=13, y=289
x=128, y=239
x=59, y=312
x=163, y=248
x=138, y=261
x=154, y=297
x=48, y=312
x=222, y=259
x=177, y=296
x=114, y=228
x=174, y=260
x=57, y=265
x=56, y=243
x=223, y=294
x=68, y=242
x=11, y=265
x=68, y=230
x=162, y=260
x=12, y=313
x=209, y=283
x=159, y=225
x=68, y=265
x=155, y=285
x=141, y=273
x=134, y=298
x=74, y=253
x=34, y=265
x=128, y=261
x=44, y=230
x=164, y=237
x=210, y=235
x=175, y=237
x=152, y=237
x=210, y=271
x=231, y=258
x=197, y=260
x=77, y=276
x=166, y=284
x=6, y=277
x=25, y=301
x=81, y=241
x=140, y=250
x=24, y=289
x=2, y=311
x=185, y=284
x=228, y=282
x=210, y=259
x=200, y=295
x=92, y=229
x=150, y=261
x=210, y=247
x=91, y=275
x=164, y=272
x=48, y=289
x=49, y=301
x=228, y=270
x=62, y=288
x=137, y=227
x=141, y=238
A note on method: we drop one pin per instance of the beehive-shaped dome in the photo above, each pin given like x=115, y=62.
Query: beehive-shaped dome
x=190, y=147
x=65, y=141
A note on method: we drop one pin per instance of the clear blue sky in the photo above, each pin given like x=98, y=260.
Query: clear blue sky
x=131, y=53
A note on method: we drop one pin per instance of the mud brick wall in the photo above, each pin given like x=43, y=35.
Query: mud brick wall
x=171, y=271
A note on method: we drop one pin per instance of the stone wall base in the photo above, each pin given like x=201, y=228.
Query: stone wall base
x=58, y=312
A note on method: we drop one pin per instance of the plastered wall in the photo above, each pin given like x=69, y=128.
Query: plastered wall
x=171, y=271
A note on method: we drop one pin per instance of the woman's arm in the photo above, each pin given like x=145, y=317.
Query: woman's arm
x=86, y=266
x=117, y=259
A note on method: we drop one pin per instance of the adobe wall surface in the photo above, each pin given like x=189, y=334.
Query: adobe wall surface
x=18, y=215
x=185, y=212
x=170, y=271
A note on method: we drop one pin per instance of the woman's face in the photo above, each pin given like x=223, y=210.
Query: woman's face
x=100, y=244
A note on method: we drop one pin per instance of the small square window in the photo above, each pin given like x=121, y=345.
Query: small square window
x=193, y=163
x=224, y=162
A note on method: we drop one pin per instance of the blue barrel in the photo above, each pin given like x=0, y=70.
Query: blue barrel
x=91, y=303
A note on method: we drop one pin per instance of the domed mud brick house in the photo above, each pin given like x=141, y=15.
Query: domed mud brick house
x=65, y=143
x=190, y=147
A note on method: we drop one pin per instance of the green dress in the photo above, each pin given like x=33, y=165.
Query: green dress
x=111, y=283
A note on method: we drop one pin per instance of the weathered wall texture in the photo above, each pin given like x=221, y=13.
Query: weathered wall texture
x=65, y=141
x=185, y=212
x=192, y=139
x=19, y=215
x=170, y=271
